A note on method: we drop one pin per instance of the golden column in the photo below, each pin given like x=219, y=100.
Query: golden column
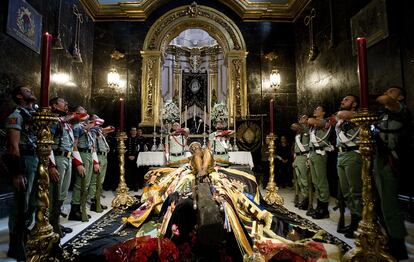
x=122, y=198
x=370, y=240
x=42, y=240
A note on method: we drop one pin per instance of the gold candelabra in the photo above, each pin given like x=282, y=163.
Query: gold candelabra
x=272, y=197
x=42, y=240
x=370, y=240
x=122, y=198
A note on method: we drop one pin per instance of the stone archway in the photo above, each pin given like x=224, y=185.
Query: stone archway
x=166, y=28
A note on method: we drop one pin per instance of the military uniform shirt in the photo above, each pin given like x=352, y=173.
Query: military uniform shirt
x=63, y=136
x=19, y=120
x=85, y=138
x=303, y=138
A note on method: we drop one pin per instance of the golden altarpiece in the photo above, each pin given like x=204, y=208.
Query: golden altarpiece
x=223, y=62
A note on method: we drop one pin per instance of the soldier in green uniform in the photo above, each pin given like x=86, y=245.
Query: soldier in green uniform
x=176, y=143
x=319, y=133
x=22, y=162
x=218, y=143
x=60, y=167
x=86, y=162
x=301, y=157
x=102, y=149
x=349, y=161
x=392, y=134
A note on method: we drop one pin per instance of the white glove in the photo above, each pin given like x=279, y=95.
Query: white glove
x=167, y=156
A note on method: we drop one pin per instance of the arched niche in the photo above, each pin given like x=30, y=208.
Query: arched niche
x=169, y=26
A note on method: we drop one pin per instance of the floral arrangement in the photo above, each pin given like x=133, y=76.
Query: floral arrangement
x=170, y=112
x=143, y=249
x=219, y=113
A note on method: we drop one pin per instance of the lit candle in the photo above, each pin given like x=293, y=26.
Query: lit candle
x=271, y=111
x=205, y=119
x=45, y=76
x=121, y=115
x=363, y=72
x=185, y=117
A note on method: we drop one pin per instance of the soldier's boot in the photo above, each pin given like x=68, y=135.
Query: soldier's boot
x=75, y=213
x=312, y=211
x=353, y=226
x=94, y=206
x=398, y=248
x=65, y=230
x=17, y=247
x=342, y=230
x=322, y=212
x=304, y=204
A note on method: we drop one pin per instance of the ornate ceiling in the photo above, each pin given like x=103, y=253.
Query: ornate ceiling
x=248, y=10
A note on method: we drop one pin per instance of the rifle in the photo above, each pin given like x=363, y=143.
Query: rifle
x=340, y=204
x=310, y=210
x=83, y=199
x=296, y=185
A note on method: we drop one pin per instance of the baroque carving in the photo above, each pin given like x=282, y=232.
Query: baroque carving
x=192, y=11
x=237, y=90
x=150, y=84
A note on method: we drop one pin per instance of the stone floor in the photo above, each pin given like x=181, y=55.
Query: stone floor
x=287, y=193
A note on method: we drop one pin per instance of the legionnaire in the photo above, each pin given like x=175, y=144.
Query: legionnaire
x=60, y=168
x=219, y=142
x=102, y=149
x=301, y=153
x=86, y=162
x=319, y=133
x=392, y=134
x=349, y=161
x=22, y=163
x=176, y=143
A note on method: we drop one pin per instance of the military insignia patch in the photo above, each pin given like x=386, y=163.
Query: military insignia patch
x=12, y=121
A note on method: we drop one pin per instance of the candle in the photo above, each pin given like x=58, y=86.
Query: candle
x=45, y=76
x=121, y=115
x=205, y=119
x=185, y=117
x=234, y=116
x=194, y=113
x=271, y=111
x=363, y=72
x=155, y=128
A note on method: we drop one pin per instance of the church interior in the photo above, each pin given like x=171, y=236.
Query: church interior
x=149, y=64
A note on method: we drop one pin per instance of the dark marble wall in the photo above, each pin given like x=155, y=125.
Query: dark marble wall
x=21, y=65
x=261, y=38
x=333, y=73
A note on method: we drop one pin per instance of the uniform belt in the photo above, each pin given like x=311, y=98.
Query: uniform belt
x=301, y=153
x=220, y=153
x=27, y=152
x=177, y=154
x=347, y=148
x=59, y=152
x=85, y=150
x=102, y=153
x=316, y=148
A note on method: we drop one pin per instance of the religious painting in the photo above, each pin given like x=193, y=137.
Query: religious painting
x=370, y=22
x=24, y=24
x=195, y=89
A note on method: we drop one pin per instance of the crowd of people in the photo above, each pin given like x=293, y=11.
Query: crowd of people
x=80, y=143
x=312, y=146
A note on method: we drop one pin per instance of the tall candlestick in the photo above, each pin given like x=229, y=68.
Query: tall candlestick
x=45, y=76
x=271, y=112
x=363, y=72
x=205, y=119
x=185, y=117
x=121, y=115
